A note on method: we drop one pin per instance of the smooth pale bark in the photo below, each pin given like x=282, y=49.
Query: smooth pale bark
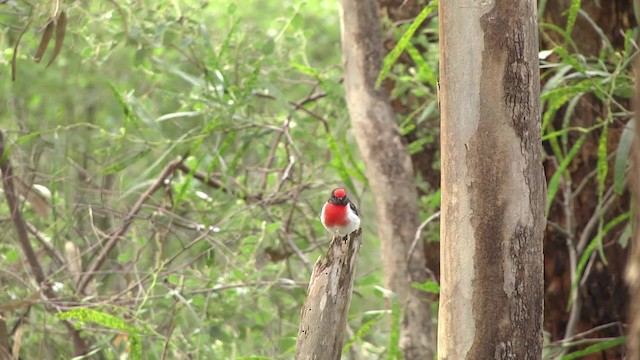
x=389, y=171
x=325, y=311
x=633, y=266
x=493, y=188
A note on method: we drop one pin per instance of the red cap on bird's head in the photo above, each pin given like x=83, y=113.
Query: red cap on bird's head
x=339, y=193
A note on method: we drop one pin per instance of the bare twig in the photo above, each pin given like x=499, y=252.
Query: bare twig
x=208, y=180
x=287, y=235
x=586, y=333
x=272, y=152
x=576, y=300
x=165, y=347
x=115, y=237
x=609, y=200
x=419, y=232
x=218, y=185
x=16, y=217
x=52, y=251
x=300, y=105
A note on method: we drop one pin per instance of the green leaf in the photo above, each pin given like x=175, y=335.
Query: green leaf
x=425, y=72
x=394, y=339
x=554, y=183
x=576, y=61
x=556, y=98
x=108, y=321
x=125, y=257
x=356, y=167
x=623, y=240
x=12, y=256
x=305, y=69
x=25, y=138
x=129, y=114
x=124, y=163
x=231, y=9
x=567, y=130
x=582, y=263
x=602, y=165
x=337, y=162
x=362, y=331
x=622, y=155
x=417, y=145
x=573, y=14
x=429, y=286
x=268, y=47
x=402, y=44
x=186, y=184
x=596, y=348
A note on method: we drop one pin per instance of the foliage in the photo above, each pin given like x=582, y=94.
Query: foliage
x=405, y=42
x=604, y=84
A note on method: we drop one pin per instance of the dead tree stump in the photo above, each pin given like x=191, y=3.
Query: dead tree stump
x=324, y=314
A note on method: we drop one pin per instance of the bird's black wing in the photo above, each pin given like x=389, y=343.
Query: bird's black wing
x=353, y=207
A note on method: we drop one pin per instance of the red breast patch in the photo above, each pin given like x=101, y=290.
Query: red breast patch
x=335, y=215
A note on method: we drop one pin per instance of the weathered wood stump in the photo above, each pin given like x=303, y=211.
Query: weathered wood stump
x=324, y=314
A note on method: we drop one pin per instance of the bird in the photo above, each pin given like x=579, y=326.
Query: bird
x=339, y=215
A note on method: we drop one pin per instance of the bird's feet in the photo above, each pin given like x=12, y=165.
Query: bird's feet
x=355, y=233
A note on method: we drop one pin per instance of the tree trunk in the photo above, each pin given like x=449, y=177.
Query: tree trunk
x=389, y=170
x=633, y=269
x=493, y=189
x=325, y=311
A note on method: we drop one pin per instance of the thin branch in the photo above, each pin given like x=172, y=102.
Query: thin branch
x=609, y=200
x=116, y=236
x=300, y=105
x=208, y=180
x=50, y=249
x=287, y=235
x=576, y=300
x=272, y=152
x=586, y=333
x=16, y=216
x=419, y=232
x=165, y=347
x=218, y=185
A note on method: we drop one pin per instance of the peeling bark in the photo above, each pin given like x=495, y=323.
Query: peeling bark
x=325, y=311
x=389, y=171
x=493, y=187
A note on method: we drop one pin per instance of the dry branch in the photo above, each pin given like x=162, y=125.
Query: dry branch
x=324, y=314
